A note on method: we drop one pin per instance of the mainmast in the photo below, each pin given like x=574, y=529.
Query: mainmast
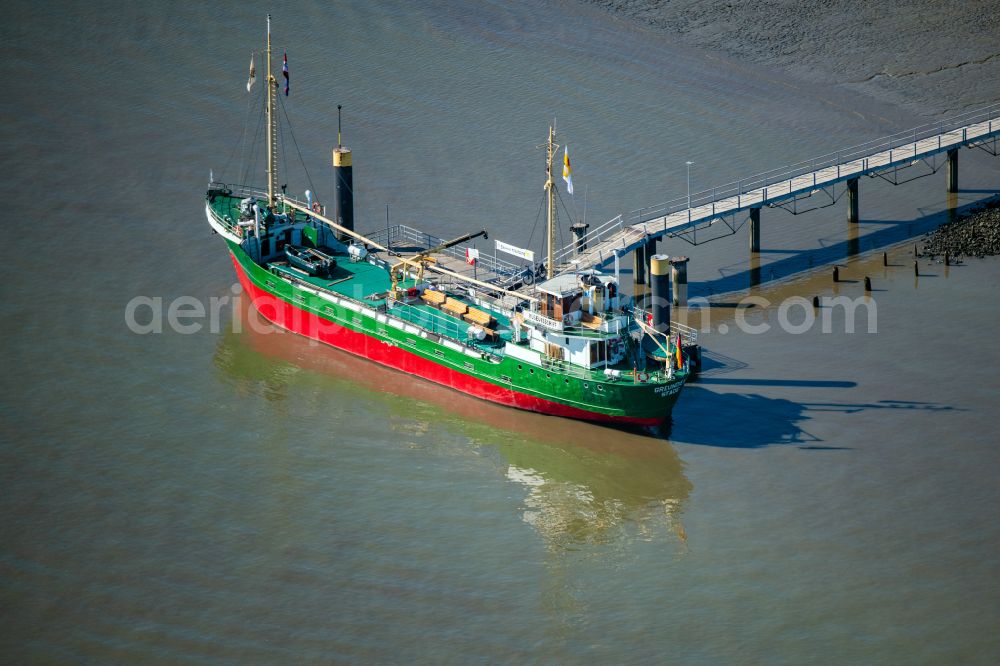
x=550, y=264
x=272, y=125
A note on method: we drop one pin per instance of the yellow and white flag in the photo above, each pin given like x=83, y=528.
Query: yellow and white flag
x=567, y=171
x=253, y=74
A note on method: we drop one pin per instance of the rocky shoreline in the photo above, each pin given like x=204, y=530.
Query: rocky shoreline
x=975, y=234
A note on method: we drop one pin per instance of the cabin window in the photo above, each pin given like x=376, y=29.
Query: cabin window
x=547, y=306
x=598, y=352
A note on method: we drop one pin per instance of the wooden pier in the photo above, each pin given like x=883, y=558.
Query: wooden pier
x=934, y=145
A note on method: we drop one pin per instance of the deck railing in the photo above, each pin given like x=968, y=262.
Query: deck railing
x=420, y=240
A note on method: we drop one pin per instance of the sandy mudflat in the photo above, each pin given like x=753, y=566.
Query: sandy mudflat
x=929, y=56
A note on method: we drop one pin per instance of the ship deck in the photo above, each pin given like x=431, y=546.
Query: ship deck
x=370, y=284
x=357, y=280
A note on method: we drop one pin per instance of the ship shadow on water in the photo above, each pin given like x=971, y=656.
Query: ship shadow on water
x=752, y=420
x=732, y=418
x=583, y=483
x=740, y=420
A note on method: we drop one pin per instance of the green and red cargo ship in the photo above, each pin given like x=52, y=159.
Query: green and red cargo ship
x=569, y=344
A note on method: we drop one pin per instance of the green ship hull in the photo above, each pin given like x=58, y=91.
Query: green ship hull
x=350, y=310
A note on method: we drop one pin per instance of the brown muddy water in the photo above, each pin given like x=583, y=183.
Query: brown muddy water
x=234, y=497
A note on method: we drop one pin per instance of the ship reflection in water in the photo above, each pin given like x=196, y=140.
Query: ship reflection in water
x=584, y=483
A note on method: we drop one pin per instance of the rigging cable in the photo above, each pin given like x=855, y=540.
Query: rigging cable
x=241, y=143
x=299, y=152
x=282, y=153
x=562, y=243
x=252, y=162
x=538, y=216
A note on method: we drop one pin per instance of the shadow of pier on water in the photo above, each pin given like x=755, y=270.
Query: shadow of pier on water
x=879, y=235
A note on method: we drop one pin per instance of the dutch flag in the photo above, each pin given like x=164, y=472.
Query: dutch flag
x=284, y=72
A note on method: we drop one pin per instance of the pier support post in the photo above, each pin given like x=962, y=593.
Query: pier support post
x=755, y=229
x=580, y=236
x=853, y=240
x=639, y=272
x=642, y=256
x=953, y=170
x=754, y=270
x=679, y=275
x=852, y=201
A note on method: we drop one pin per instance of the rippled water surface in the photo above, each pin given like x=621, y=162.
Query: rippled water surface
x=246, y=496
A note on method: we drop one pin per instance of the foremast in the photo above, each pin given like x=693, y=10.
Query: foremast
x=272, y=126
x=550, y=191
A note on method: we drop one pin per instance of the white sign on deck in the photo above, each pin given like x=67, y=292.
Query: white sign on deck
x=516, y=251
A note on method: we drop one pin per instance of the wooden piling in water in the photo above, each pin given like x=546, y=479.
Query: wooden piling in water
x=916, y=268
x=868, y=283
x=885, y=258
x=836, y=274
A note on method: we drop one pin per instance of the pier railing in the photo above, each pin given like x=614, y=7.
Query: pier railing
x=841, y=158
x=911, y=144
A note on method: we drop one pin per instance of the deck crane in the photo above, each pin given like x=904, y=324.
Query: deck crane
x=424, y=258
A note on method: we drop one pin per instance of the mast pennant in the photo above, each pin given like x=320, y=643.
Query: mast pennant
x=567, y=171
x=284, y=72
x=253, y=74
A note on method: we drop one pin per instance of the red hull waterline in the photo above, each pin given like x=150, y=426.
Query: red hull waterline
x=306, y=324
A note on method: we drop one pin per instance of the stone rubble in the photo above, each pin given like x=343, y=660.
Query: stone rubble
x=976, y=234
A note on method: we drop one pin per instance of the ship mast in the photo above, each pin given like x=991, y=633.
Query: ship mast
x=551, y=149
x=272, y=125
